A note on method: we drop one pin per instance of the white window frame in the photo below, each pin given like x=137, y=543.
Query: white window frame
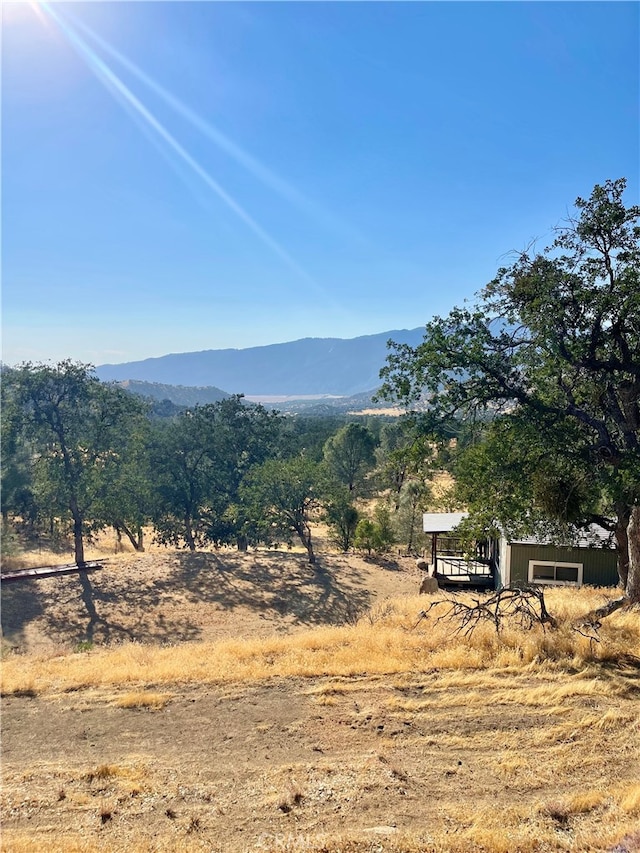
x=555, y=564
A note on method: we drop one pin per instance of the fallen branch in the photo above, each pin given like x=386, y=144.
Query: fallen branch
x=523, y=606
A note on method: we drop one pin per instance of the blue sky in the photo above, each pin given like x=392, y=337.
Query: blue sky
x=184, y=176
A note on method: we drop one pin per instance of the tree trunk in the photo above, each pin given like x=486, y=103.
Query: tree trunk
x=412, y=528
x=305, y=537
x=188, y=534
x=632, y=588
x=622, y=545
x=136, y=540
x=78, y=540
x=241, y=543
x=312, y=556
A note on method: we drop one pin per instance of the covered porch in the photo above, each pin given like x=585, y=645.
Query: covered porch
x=448, y=562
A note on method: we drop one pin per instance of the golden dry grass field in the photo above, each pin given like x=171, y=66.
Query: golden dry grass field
x=236, y=702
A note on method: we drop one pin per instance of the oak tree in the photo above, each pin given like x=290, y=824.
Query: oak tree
x=280, y=496
x=554, y=340
x=200, y=459
x=78, y=431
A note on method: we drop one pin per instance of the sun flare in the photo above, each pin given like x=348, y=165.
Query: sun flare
x=22, y=13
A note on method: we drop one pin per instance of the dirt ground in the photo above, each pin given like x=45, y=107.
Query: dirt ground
x=368, y=763
x=298, y=764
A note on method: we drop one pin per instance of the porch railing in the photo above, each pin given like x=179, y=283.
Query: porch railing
x=457, y=566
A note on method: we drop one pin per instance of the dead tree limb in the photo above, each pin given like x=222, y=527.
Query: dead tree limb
x=522, y=606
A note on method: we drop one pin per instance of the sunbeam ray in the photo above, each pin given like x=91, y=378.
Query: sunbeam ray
x=37, y=11
x=115, y=85
x=250, y=163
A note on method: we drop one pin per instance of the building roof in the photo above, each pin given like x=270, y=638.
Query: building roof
x=592, y=537
x=441, y=522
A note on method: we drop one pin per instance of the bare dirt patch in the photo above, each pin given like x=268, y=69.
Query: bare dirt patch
x=317, y=764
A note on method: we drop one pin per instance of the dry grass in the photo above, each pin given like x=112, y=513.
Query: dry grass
x=593, y=820
x=392, y=644
x=389, y=411
x=143, y=699
x=103, y=545
x=23, y=842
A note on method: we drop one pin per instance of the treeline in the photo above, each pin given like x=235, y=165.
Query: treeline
x=80, y=455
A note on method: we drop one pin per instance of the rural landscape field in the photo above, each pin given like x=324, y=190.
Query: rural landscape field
x=320, y=427
x=236, y=702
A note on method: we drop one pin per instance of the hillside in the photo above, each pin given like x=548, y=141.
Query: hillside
x=334, y=366
x=181, y=395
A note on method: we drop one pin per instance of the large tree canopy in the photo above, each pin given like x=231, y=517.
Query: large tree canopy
x=200, y=459
x=79, y=433
x=553, y=345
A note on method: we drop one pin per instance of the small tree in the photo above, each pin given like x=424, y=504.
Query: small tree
x=414, y=499
x=342, y=518
x=279, y=497
x=384, y=525
x=366, y=536
x=349, y=454
x=375, y=535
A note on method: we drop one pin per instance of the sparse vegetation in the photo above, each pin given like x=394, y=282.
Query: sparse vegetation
x=386, y=644
x=144, y=699
x=376, y=535
x=522, y=606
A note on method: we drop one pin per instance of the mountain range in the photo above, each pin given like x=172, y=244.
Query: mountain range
x=310, y=366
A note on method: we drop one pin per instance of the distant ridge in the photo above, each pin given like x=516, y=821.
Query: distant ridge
x=181, y=395
x=336, y=366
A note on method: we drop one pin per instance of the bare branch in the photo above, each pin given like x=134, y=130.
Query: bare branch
x=522, y=606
